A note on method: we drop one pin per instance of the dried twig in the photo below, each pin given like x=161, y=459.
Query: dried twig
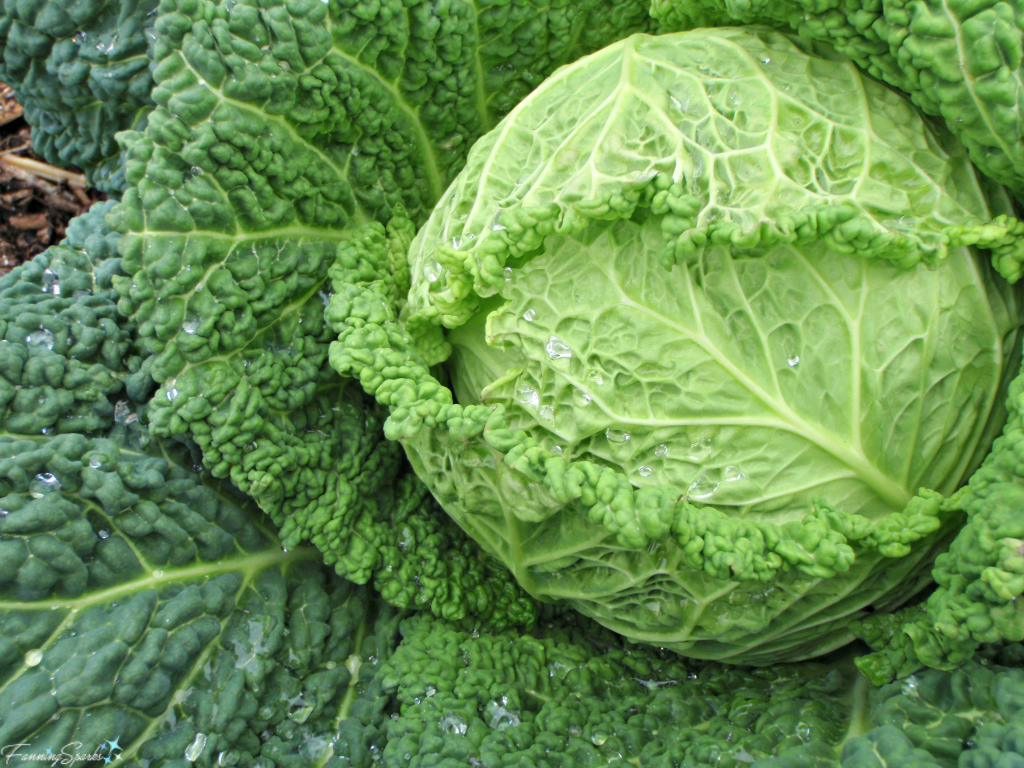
x=10, y=199
x=63, y=203
x=44, y=170
x=15, y=172
x=29, y=220
x=83, y=198
x=10, y=109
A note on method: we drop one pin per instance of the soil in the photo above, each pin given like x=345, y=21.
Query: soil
x=37, y=200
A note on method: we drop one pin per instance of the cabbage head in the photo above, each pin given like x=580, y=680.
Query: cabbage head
x=700, y=342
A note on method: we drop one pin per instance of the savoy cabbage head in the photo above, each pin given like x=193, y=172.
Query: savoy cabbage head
x=717, y=344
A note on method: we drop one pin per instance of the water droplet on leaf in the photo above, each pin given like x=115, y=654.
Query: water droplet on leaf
x=195, y=749
x=42, y=338
x=453, y=723
x=527, y=395
x=558, y=349
x=43, y=484
x=616, y=435
x=702, y=487
x=51, y=282
x=732, y=474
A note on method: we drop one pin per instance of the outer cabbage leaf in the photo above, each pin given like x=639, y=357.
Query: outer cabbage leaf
x=567, y=695
x=81, y=71
x=280, y=132
x=65, y=352
x=692, y=271
x=147, y=617
x=980, y=579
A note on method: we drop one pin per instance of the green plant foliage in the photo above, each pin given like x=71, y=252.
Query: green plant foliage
x=961, y=62
x=82, y=72
x=719, y=346
x=278, y=133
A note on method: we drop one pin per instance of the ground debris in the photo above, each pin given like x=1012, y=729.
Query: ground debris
x=37, y=199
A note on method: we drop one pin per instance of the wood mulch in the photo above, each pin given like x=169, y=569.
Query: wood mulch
x=37, y=200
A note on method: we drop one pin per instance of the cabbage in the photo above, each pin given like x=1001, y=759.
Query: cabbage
x=720, y=343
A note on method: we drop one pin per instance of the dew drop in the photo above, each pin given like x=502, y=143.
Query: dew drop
x=547, y=412
x=527, y=396
x=103, y=533
x=432, y=271
x=644, y=471
x=661, y=450
x=453, y=723
x=4, y=513
x=508, y=274
x=158, y=574
x=616, y=435
x=910, y=687
x=558, y=349
x=51, y=282
x=500, y=716
x=195, y=749
x=556, y=450
x=190, y=326
x=792, y=360
x=733, y=474
x=406, y=540
x=803, y=731
x=42, y=338
x=596, y=378
x=700, y=450
x=529, y=315
x=575, y=731
x=599, y=738
x=33, y=658
x=702, y=487
x=580, y=398
x=43, y=484
x=79, y=38
x=577, y=298
x=95, y=461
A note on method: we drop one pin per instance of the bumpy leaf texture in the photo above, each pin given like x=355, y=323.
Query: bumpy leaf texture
x=280, y=131
x=151, y=619
x=714, y=327
x=64, y=351
x=567, y=696
x=961, y=61
x=980, y=579
x=82, y=72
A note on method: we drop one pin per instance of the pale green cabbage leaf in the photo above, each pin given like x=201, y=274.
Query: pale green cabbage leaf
x=721, y=343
